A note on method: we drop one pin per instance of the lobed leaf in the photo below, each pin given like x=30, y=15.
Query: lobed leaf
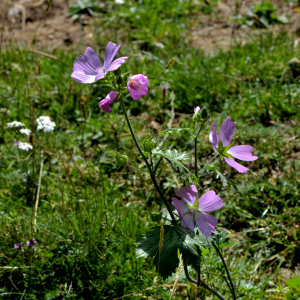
x=175, y=238
x=175, y=156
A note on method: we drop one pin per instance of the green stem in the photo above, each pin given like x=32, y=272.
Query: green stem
x=226, y=269
x=157, y=164
x=152, y=175
x=201, y=283
x=196, y=140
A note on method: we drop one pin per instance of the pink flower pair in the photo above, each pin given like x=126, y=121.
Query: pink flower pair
x=88, y=69
x=137, y=87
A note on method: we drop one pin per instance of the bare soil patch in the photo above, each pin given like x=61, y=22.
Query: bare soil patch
x=51, y=30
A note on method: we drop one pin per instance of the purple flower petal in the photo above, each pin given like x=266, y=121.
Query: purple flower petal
x=227, y=131
x=188, y=221
x=213, y=137
x=187, y=193
x=138, y=86
x=242, y=152
x=206, y=223
x=210, y=202
x=180, y=206
x=234, y=164
x=87, y=67
x=116, y=64
x=104, y=104
x=110, y=53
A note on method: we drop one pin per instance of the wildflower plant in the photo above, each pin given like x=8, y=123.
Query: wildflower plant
x=190, y=229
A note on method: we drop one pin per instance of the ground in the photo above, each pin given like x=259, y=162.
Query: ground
x=54, y=29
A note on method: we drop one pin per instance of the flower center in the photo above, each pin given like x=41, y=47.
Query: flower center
x=223, y=150
x=189, y=212
x=99, y=70
x=134, y=84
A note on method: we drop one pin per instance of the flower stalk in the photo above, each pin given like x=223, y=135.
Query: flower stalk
x=201, y=283
x=232, y=290
x=152, y=174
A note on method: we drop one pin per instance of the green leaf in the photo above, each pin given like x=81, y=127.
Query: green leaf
x=225, y=180
x=295, y=281
x=175, y=156
x=221, y=239
x=175, y=130
x=175, y=238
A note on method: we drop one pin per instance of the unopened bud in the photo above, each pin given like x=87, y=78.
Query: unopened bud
x=120, y=159
x=204, y=114
x=201, y=114
x=156, y=216
x=149, y=145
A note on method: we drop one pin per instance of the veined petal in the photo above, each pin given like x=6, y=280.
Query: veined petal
x=99, y=76
x=85, y=68
x=206, y=223
x=188, y=221
x=88, y=63
x=116, y=64
x=81, y=77
x=110, y=53
x=242, y=152
x=213, y=136
x=187, y=193
x=227, y=131
x=180, y=206
x=234, y=164
x=210, y=202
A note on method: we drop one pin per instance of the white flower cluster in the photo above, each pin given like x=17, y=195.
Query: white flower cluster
x=23, y=146
x=14, y=124
x=25, y=131
x=44, y=123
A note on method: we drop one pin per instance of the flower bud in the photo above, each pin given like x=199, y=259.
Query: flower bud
x=149, y=145
x=204, y=114
x=201, y=115
x=156, y=216
x=120, y=159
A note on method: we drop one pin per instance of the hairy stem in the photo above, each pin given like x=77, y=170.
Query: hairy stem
x=226, y=269
x=201, y=283
x=152, y=175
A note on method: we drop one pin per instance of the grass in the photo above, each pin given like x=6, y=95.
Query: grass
x=90, y=213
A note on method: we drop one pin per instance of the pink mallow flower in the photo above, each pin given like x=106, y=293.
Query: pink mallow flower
x=138, y=86
x=242, y=152
x=104, y=104
x=88, y=68
x=194, y=210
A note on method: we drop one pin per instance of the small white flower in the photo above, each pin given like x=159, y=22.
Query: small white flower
x=14, y=124
x=119, y=1
x=23, y=146
x=25, y=131
x=44, y=123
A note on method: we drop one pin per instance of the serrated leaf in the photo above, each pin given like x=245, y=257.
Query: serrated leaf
x=175, y=238
x=222, y=240
x=175, y=130
x=175, y=156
